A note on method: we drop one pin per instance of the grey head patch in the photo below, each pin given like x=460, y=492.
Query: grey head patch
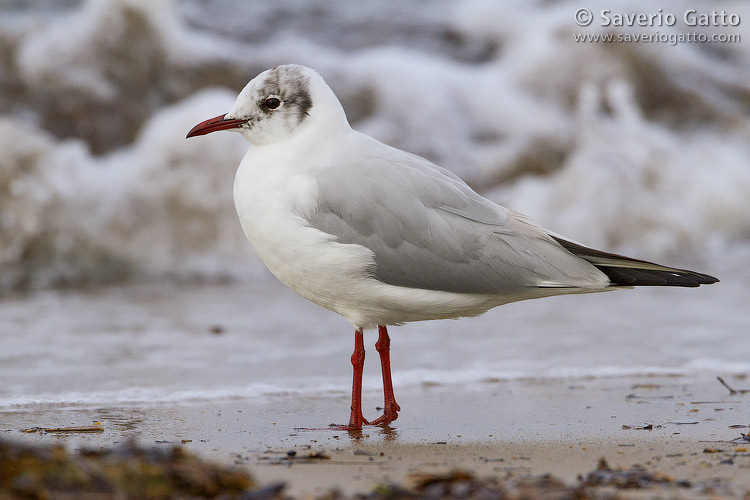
x=274, y=104
x=292, y=87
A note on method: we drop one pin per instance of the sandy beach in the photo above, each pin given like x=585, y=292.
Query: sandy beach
x=688, y=429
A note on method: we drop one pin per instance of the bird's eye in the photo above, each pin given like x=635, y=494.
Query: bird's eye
x=272, y=102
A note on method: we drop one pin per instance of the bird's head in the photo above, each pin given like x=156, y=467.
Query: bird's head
x=275, y=104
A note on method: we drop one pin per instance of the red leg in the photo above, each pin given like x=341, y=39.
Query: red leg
x=391, y=408
x=358, y=362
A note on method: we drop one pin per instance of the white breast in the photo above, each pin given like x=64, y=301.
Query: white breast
x=269, y=196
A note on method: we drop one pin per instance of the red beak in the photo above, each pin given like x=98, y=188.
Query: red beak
x=214, y=124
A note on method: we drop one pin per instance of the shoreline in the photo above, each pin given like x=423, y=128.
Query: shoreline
x=686, y=427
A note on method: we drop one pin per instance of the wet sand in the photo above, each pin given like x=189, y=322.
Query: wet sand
x=684, y=427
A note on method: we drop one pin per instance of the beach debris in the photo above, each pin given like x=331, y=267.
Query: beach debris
x=271, y=491
x=276, y=458
x=95, y=427
x=424, y=480
x=646, y=427
x=460, y=484
x=647, y=386
x=732, y=391
x=125, y=472
x=636, y=397
x=366, y=453
x=715, y=402
x=634, y=477
x=130, y=472
x=743, y=436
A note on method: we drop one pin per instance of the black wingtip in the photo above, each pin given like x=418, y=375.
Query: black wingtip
x=628, y=276
x=631, y=273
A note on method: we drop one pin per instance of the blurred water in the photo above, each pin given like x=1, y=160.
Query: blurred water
x=159, y=343
x=120, y=248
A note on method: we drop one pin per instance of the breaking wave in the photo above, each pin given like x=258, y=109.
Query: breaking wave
x=621, y=146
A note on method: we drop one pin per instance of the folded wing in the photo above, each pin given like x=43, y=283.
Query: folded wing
x=427, y=229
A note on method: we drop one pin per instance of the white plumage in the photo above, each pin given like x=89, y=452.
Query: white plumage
x=385, y=237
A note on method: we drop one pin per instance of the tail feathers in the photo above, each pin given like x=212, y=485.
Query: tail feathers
x=624, y=271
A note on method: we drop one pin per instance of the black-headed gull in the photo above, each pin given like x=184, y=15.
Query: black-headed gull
x=384, y=237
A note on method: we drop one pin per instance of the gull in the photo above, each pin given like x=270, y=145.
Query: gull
x=384, y=237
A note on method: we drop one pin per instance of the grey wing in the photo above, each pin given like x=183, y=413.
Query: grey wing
x=427, y=229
